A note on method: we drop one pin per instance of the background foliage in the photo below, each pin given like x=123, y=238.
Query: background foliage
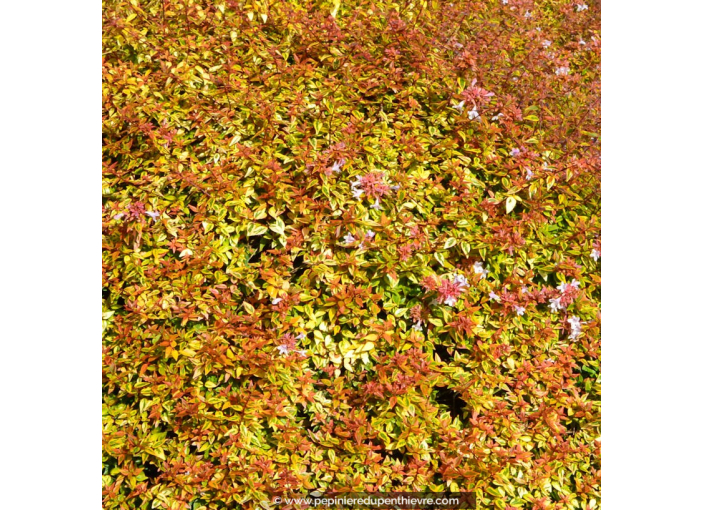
x=351, y=245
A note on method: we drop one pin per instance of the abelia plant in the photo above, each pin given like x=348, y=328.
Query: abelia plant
x=351, y=246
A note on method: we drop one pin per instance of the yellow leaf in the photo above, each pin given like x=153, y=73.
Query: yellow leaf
x=368, y=347
x=510, y=204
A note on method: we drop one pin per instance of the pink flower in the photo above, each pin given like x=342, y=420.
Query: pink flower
x=477, y=95
x=450, y=290
x=373, y=184
x=288, y=345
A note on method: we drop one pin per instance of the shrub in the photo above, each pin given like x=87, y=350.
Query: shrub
x=351, y=245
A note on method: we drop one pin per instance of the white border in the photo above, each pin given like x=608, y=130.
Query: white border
x=50, y=327
x=653, y=226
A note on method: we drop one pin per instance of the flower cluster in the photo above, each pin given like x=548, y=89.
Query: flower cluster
x=568, y=292
x=373, y=185
x=575, y=327
x=287, y=345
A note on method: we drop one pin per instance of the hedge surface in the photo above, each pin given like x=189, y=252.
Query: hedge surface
x=351, y=245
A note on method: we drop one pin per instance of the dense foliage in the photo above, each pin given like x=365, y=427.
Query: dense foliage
x=351, y=245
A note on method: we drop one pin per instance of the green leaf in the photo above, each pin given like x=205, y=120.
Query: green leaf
x=278, y=226
x=254, y=229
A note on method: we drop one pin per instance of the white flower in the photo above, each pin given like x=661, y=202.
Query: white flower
x=576, y=326
x=582, y=7
x=562, y=71
x=370, y=234
x=461, y=279
x=417, y=326
x=302, y=353
x=555, y=305
x=459, y=106
x=515, y=152
x=118, y=216
x=519, y=310
x=479, y=269
x=493, y=296
x=349, y=238
x=528, y=14
x=529, y=174
x=376, y=205
x=581, y=42
x=574, y=283
x=276, y=301
x=496, y=117
x=505, y=2
x=595, y=254
x=546, y=44
x=152, y=214
x=337, y=166
x=283, y=349
x=357, y=193
x=301, y=336
x=450, y=301
x=395, y=187
x=473, y=114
